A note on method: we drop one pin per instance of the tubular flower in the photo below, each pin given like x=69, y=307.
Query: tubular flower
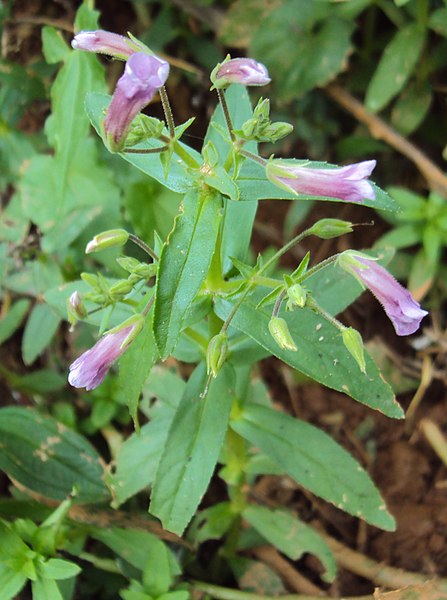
x=347, y=183
x=90, y=369
x=401, y=308
x=143, y=76
x=105, y=42
x=240, y=70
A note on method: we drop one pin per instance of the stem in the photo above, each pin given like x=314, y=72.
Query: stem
x=104, y=564
x=148, y=306
x=139, y=242
x=254, y=157
x=168, y=112
x=278, y=303
x=185, y=156
x=226, y=113
x=311, y=303
x=321, y=265
x=145, y=150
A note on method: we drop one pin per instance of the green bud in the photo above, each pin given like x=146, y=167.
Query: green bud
x=330, y=228
x=297, y=296
x=128, y=263
x=281, y=334
x=216, y=353
x=143, y=128
x=354, y=344
x=107, y=239
x=120, y=289
x=272, y=132
x=75, y=309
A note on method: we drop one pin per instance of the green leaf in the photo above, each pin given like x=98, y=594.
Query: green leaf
x=212, y=523
x=184, y=264
x=137, y=460
x=43, y=589
x=321, y=353
x=291, y=536
x=438, y=21
x=315, y=461
x=11, y=582
x=56, y=568
x=401, y=237
x=133, y=371
x=43, y=381
x=395, y=67
x=55, y=48
x=302, y=46
x=157, y=576
x=44, y=456
x=42, y=324
x=178, y=179
x=254, y=185
x=192, y=448
x=12, y=320
x=133, y=545
x=411, y=107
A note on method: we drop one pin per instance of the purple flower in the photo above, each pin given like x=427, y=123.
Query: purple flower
x=347, y=183
x=240, y=70
x=104, y=42
x=143, y=76
x=91, y=367
x=400, y=306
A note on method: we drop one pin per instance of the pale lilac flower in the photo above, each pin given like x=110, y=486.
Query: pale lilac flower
x=143, y=76
x=400, y=306
x=347, y=183
x=240, y=70
x=90, y=369
x=105, y=42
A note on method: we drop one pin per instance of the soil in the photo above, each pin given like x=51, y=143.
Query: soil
x=404, y=465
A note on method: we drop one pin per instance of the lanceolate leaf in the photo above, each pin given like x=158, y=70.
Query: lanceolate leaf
x=315, y=461
x=184, y=264
x=192, y=448
x=290, y=535
x=47, y=458
x=321, y=353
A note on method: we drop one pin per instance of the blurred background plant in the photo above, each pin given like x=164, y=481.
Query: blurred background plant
x=358, y=79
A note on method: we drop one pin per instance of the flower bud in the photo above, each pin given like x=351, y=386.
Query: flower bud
x=354, y=344
x=297, y=296
x=105, y=42
x=120, y=289
x=216, y=353
x=246, y=71
x=107, y=239
x=281, y=334
x=330, y=228
x=75, y=309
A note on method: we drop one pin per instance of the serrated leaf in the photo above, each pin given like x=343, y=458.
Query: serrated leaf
x=395, y=67
x=135, y=366
x=291, y=536
x=184, y=264
x=44, y=456
x=42, y=324
x=315, y=461
x=192, y=448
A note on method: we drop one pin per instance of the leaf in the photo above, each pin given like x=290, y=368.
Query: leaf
x=135, y=366
x=44, y=456
x=178, y=179
x=303, y=44
x=438, y=21
x=137, y=460
x=56, y=568
x=42, y=324
x=184, y=264
x=254, y=185
x=46, y=588
x=321, y=353
x=11, y=582
x=291, y=536
x=192, y=448
x=212, y=523
x=395, y=66
x=238, y=217
x=315, y=461
x=12, y=320
x=411, y=107
x=256, y=577
x=55, y=48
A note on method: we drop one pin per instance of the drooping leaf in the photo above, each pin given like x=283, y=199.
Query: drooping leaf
x=39, y=330
x=192, y=448
x=184, y=264
x=315, y=461
x=44, y=456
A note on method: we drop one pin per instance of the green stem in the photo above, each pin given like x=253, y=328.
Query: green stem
x=104, y=564
x=254, y=157
x=278, y=303
x=185, y=156
x=145, y=150
x=321, y=265
x=168, y=112
x=139, y=242
x=312, y=304
x=226, y=113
